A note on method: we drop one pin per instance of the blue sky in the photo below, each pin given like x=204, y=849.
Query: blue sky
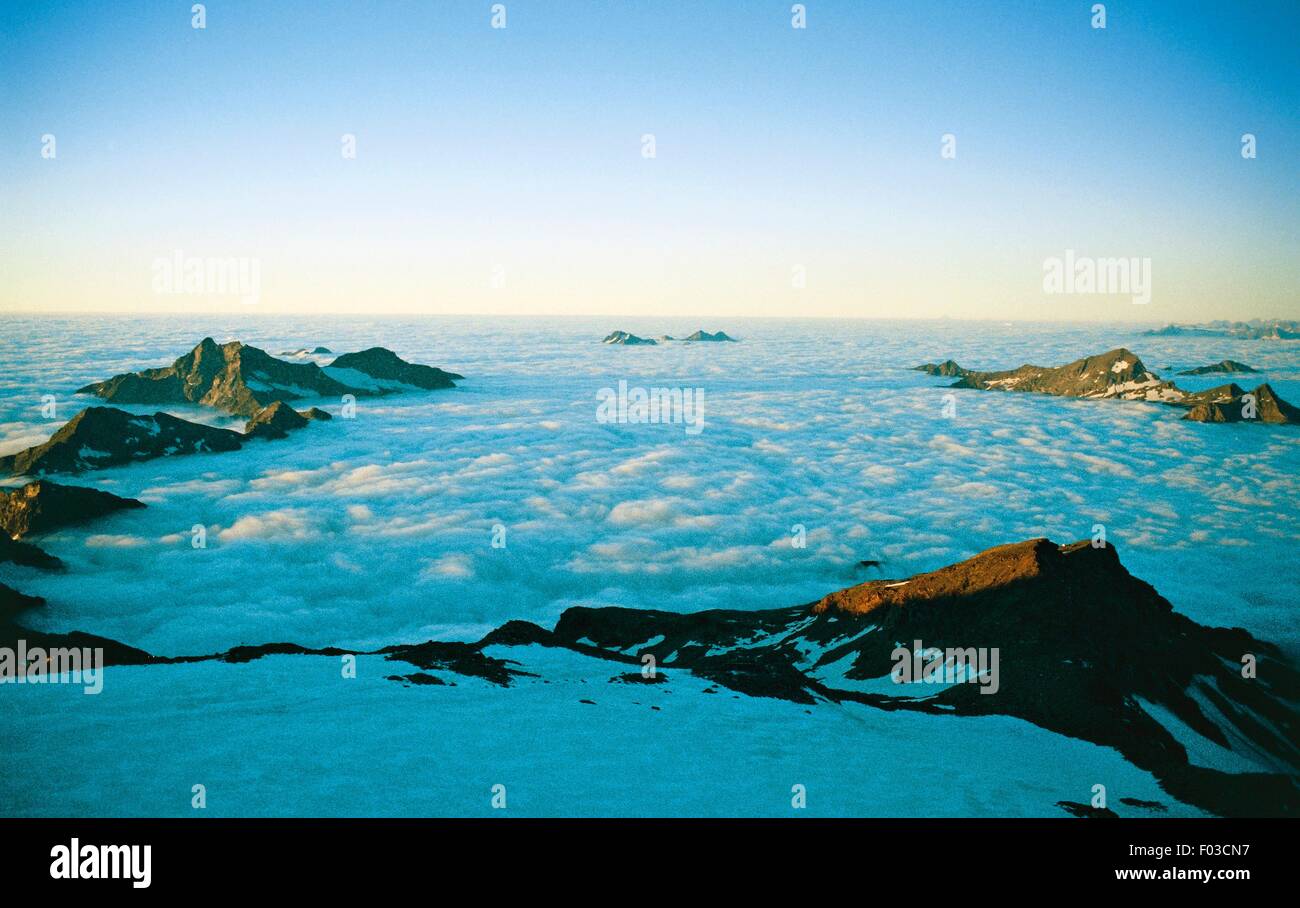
x=517, y=152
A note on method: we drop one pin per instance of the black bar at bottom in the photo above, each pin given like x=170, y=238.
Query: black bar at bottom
x=305, y=855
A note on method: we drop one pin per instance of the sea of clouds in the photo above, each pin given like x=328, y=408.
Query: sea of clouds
x=375, y=530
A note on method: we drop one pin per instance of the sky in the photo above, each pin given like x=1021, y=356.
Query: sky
x=796, y=171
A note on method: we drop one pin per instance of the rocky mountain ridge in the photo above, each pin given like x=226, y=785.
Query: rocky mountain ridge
x=241, y=379
x=1120, y=375
x=1151, y=685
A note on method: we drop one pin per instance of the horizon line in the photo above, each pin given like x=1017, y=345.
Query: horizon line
x=260, y=312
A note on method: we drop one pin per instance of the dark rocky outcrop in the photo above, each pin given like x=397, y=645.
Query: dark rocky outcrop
x=1086, y=650
x=947, y=368
x=1226, y=366
x=24, y=554
x=12, y=602
x=276, y=420
x=99, y=437
x=461, y=658
x=317, y=414
x=378, y=370
x=115, y=653
x=241, y=379
x=42, y=506
x=627, y=339
x=1229, y=404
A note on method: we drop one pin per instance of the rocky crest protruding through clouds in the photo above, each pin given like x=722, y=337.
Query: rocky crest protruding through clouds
x=1116, y=373
x=43, y=506
x=99, y=437
x=626, y=338
x=1230, y=404
x=241, y=379
x=1225, y=367
x=236, y=378
x=1120, y=375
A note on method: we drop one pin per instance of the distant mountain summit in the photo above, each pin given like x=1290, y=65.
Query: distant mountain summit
x=628, y=339
x=1119, y=374
x=1255, y=329
x=241, y=379
x=233, y=377
x=947, y=368
x=379, y=370
x=717, y=336
x=1226, y=366
x=624, y=337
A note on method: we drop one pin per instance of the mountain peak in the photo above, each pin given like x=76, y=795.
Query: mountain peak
x=998, y=568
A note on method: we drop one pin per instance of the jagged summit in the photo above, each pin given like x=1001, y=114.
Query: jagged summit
x=996, y=571
x=100, y=437
x=1121, y=375
x=234, y=377
x=1115, y=373
x=1228, y=403
x=947, y=368
x=242, y=379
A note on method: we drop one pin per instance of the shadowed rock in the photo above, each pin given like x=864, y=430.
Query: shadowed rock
x=99, y=437
x=115, y=653
x=274, y=421
x=1224, y=366
x=12, y=602
x=1231, y=405
x=1085, y=649
x=25, y=554
x=42, y=506
x=378, y=370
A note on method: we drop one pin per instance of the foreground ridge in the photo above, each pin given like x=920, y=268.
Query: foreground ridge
x=1080, y=647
